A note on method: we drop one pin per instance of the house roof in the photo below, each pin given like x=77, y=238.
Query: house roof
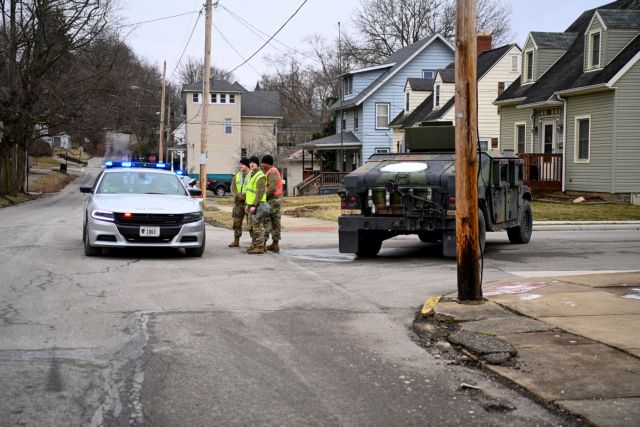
x=438, y=113
x=297, y=156
x=398, y=59
x=549, y=40
x=262, y=103
x=567, y=72
x=416, y=116
x=215, y=86
x=417, y=84
x=620, y=19
x=486, y=61
x=448, y=75
x=332, y=142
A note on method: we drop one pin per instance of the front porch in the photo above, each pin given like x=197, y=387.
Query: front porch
x=542, y=171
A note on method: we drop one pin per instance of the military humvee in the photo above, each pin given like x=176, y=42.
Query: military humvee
x=414, y=193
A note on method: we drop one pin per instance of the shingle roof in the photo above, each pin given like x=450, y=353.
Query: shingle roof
x=567, y=72
x=437, y=114
x=448, y=75
x=215, y=86
x=416, y=116
x=349, y=139
x=262, y=103
x=418, y=84
x=620, y=19
x=398, y=58
x=554, y=40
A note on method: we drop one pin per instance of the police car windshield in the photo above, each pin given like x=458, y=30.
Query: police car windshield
x=141, y=182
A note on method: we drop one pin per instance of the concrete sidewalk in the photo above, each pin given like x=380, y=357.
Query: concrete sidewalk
x=577, y=340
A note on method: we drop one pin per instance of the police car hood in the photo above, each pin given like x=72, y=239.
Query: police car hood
x=145, y=203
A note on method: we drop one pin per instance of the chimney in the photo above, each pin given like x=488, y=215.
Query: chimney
x=484, y=41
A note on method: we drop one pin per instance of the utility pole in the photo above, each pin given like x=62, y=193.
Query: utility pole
x=466, y=129
x=169, y=130
x=341, y=83
x=205, y=103
x=161, y=147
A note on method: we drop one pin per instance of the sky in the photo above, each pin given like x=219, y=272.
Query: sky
x=167, y=39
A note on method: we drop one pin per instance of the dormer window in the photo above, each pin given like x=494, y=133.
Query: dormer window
x=594, y=50
x=406, y=103
x=436, y=97
x=428, y=74
x=347, y=85
x=528, y=59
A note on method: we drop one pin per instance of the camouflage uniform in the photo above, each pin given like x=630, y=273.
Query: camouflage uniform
x=257, y=226
x=273, y=225
x=237, y=213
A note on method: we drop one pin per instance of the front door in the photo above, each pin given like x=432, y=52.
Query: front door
x=548, y=143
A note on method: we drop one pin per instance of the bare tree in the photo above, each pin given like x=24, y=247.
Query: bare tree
x=384, y=26
x=191, y=72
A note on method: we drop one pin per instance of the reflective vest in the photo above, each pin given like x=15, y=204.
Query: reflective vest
x=274, y=170
x=239, y=181
x=251, y=188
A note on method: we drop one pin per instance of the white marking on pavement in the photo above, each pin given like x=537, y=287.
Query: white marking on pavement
x=550, y=273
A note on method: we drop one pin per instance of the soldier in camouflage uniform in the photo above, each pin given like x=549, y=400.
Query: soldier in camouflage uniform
x=255, y=194
x=274, y=198
x=237, y=190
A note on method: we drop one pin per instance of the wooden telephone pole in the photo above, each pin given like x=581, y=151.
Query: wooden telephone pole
x=164, y=85
x=466, y=129
x=205, y=102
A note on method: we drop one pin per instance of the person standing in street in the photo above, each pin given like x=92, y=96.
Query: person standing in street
x=274, y=198
x=238, y=191
x=255, y=194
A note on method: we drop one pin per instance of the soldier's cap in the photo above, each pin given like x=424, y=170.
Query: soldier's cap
x=244, y=161
x=268, y=159
x=254, y=159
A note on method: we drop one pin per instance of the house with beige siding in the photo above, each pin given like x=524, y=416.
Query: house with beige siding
x=240, y=123
x=573, y=114
x=496, y=69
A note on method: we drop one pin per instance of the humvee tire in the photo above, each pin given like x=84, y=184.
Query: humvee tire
x=430, y=236
x=522, y=233
x=368, y=244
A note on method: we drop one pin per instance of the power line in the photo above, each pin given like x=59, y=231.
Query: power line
x=164, y=18
x=270, y=38
x=234, y=49
x=186, y=45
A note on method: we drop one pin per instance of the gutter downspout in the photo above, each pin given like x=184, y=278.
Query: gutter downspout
x=564, y=142
x=532, y=125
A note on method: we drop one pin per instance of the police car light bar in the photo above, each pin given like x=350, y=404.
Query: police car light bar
x=111, y=164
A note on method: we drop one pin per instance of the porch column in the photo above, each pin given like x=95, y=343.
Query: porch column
x=303, y=161
x=312, y=160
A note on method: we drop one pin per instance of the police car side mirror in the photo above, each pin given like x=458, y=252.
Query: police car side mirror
x=193, y=182
x=195, y=192
x=86, y=189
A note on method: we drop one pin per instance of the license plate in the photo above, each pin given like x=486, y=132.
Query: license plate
x=149, y=231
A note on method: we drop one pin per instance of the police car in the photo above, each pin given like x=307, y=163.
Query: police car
x=137, y=204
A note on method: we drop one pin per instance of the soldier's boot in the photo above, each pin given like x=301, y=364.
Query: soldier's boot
x=252, y=247
x=235, y=243
x=274, y=247
x=256, y=250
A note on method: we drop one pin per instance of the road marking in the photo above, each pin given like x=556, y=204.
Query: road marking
x=551, y=273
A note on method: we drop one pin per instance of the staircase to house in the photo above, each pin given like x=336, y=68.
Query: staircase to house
x=320, y=184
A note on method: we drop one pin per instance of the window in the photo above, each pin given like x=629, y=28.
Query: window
x=529, y=64
x=347, y=85
x=232, y=98
x=502, y=86
x=228, y=126
x=214, y=98
x=382, y=116
x=436, y=98
x=382, y=151
x=243, y=152
x=195, y=98
x=343, y=122
x=428, y=74
x=582, y=139
x=514, y=64
x=520, y=135
x=275, y=129
x=594, y=52
x=355, y=122
x=406, y=103
x=223, y=98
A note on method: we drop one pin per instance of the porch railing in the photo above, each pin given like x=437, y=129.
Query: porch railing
x=542, y=171
x=314, y=185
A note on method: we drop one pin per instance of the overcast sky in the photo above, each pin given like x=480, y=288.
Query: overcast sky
x=166, y=39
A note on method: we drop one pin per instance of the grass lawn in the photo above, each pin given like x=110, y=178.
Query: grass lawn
x=11, y=200
x=51, y=182
x=73, y=152
x=328, y=208
x=218, y=218
x=45, y=160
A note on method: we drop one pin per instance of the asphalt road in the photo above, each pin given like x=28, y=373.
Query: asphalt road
x=308, y=336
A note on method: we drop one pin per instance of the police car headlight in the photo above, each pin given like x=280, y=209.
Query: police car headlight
x=192, y=217
x=102, y=215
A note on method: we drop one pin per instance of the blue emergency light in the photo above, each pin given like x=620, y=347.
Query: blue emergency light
x=109, y=164
x=179, y=172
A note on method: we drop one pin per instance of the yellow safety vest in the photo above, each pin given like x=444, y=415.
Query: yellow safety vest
x=239, y=181
x=251, y=188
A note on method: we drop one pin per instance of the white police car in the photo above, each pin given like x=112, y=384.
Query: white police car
x=136, y=204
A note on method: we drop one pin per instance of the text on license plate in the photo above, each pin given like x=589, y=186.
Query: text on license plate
x=149, y=231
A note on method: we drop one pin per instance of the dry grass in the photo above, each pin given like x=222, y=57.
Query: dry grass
x=12, y=200
x=51, y=182
x=73, y=152
x=547, y=211
x=45, y=160
x=218, y=218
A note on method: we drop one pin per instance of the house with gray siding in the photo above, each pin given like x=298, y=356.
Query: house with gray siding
x=574, y=113
x=372, y=96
